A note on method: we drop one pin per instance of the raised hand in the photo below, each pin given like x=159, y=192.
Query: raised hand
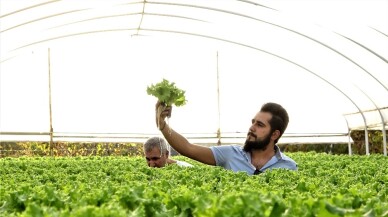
x=162, y=111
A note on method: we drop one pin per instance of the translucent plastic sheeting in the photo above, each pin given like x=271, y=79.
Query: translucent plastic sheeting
x=322, y=60
x=374, y=118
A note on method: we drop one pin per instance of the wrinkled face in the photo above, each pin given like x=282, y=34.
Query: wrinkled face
x=155, y=159
x=259, y=135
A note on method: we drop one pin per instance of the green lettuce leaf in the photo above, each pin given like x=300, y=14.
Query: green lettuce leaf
x=167, y=93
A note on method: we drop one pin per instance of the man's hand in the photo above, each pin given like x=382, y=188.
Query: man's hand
x=162, y=111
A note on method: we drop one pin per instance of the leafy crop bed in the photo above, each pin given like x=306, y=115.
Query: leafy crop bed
x=325, y=185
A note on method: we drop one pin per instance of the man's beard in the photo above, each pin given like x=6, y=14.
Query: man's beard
x=257, y=144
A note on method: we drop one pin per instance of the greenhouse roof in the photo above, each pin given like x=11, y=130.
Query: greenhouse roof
x=326, y=62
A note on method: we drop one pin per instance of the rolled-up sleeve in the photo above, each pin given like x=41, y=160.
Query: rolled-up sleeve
x=221, y=154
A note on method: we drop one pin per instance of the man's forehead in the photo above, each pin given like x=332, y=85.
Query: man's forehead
x=153, y=151
x=263, y=117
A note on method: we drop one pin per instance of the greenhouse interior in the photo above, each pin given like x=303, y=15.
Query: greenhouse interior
x=74, y=77
x=79, y=71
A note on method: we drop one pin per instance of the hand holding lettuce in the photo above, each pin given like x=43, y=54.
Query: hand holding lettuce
x=167, y=94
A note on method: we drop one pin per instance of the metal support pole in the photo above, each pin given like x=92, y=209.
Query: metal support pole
x=366, y=141
x=51, y=120
x=384, y=141
x=218, y=104
x=382, y=122
x=349, y=132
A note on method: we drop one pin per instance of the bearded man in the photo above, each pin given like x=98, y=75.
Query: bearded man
x=259, y=152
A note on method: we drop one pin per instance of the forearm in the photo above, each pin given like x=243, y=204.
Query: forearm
x=185, y=148
x=176, y=140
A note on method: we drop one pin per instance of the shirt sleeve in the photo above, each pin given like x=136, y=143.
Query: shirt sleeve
x=221, y=154
x=183, y=164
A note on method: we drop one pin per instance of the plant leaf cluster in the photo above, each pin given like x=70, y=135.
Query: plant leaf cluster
x=324, y=185
x=167, y=93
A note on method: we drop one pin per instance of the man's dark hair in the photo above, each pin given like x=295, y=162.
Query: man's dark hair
x=279, y=119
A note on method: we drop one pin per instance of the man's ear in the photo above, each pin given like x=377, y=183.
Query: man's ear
x=275, y=135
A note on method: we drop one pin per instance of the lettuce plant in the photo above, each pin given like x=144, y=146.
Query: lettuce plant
x=167, y=93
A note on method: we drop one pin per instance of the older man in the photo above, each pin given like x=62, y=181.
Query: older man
x=157, y=154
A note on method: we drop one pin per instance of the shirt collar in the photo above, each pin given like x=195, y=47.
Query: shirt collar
x=278, y=153
x=277, y=157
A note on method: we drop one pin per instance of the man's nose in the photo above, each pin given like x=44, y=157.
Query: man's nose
x=251, y=128
x=151, y=163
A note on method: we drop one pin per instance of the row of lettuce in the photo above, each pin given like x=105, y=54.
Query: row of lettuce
x=60, y=148
x=324, y=185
